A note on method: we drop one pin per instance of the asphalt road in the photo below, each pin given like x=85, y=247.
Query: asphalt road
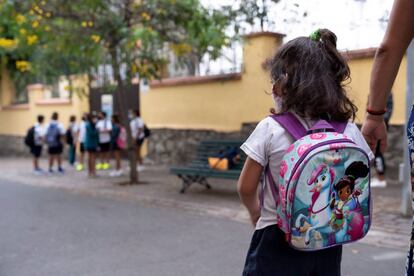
x=46, y=231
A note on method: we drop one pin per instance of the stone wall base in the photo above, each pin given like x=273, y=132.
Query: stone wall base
x=178, y=147
x=11, y=145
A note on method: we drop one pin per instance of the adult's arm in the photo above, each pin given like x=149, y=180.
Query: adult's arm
x=398, y=36
x=399, y=33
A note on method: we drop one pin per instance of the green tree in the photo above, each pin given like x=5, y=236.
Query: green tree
x=132, y=34
x=21, y=38
x=253, y=12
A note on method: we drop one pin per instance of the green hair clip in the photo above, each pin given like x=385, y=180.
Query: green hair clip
x=315, y=36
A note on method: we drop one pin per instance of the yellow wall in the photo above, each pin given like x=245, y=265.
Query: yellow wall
x=16, y=119
x=226, y=105
x=220, y=105
x=359, y=89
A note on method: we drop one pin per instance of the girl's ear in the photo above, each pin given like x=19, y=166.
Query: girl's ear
x=276, y=90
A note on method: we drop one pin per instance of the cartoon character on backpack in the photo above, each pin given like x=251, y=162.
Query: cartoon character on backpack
x=319, y=213
x=347, y=219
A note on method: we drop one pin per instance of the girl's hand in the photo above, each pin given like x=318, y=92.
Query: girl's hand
x=374, y=130
x=254, y=217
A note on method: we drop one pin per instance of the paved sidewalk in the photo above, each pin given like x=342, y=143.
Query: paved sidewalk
x=159, y=188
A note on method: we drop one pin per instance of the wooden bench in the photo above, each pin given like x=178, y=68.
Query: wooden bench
x=198, y=170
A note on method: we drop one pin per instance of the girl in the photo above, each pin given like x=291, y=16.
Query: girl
x=115, y=147
x=91, y=143
x=307, y=75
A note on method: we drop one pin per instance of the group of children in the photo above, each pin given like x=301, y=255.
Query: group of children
x=96, y=138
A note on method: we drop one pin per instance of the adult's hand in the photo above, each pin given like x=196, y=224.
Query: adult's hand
x=374, y=130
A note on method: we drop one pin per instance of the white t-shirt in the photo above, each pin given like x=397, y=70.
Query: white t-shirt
x=268, y=143
x=137, y=128
x=39, y=133
x=104, y=127
x=82, y=131
x=74, y=128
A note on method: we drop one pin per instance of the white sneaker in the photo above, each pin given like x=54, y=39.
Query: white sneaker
x=37, y=172
x=140, y=168
x=376, y=183
x=118, y=173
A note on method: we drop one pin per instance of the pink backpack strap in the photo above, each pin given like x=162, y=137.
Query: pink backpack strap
x=273, y=188
x=295, y=128
x=291, y=124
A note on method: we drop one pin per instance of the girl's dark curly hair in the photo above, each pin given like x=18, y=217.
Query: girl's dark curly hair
x=311, y=73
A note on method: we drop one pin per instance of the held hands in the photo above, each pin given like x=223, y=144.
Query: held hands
x=374, y=130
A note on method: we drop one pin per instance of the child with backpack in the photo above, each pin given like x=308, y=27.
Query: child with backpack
x=91, y=143
x=118, y=143
x=298, y=154
x=72, y=133
x=34, y=140
x=53, y=138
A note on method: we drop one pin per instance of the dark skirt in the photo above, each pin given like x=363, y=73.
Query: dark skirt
x=270, y=254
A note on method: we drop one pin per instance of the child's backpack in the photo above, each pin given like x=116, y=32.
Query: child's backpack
x=323, y=196
x=52, y=136
x=121, y=141
x=147, y=131
x=29, y=139
x=69, y=136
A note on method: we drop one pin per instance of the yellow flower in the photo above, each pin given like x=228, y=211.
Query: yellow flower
x=22, y=31
x=96, y=38
x=90, y=24
x=31, y=12
x=22, y=65
x=35, y=24
x=43, y=3
x=145, y=16
x=20, y=19
x=181, y=48
x=84, y=24
x=47, y=28
x=144, y=69
x=8, y=44
x=32, y=39
x=48, y=14
x=134, y=68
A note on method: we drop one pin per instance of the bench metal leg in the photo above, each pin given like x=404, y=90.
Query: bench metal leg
x=188, y=180
x=203, y=181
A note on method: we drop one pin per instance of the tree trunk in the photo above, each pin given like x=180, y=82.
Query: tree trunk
x=133, y=175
